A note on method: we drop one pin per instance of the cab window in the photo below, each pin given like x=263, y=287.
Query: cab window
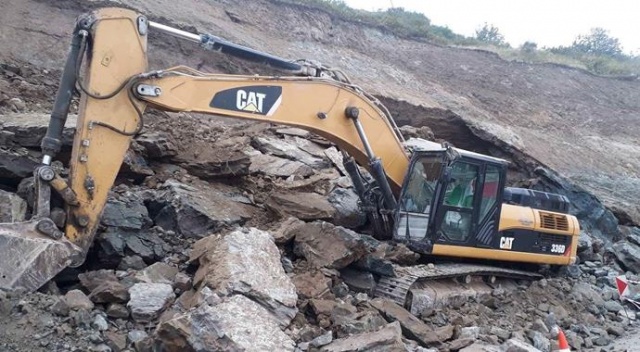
x=457, y=219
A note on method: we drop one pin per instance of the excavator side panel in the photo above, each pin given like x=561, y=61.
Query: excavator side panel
x=315, y=104
x=117, y=52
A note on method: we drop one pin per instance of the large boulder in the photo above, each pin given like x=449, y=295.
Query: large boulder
x=628, y=254
x=28, y=129
x=305, y=206
x=149, y=300
x=280, y=167
x=235, y=324
x=348, y=212
x=12, y=207
x=115, y=244
x=198, y=209
x=295, y=148
x=246, y=261
x=327, y=245
x=387, y=339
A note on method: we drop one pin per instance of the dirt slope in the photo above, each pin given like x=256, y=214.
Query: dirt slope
x=582, y=126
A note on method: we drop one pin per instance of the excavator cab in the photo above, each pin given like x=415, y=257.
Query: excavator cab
x=449, y=197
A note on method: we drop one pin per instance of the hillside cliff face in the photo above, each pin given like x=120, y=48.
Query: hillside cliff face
x=542, y=117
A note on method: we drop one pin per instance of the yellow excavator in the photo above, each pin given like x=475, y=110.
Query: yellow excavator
x=439, y=200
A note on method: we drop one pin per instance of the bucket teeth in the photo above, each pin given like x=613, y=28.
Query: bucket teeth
x=28, y=258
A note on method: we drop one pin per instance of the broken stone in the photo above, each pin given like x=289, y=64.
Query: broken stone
x=311, y=284
x=289, y=149
x=156, y=144
x=92, y=279
x=388, y=339
x=305, y=206
x=514, y=345
x=158, y=273
x=358, y=281
x=60, y=307
x=246, y=261
x=12, y=207
x=412, y=327
x=149, y=300
x=196, y=210
x=348, y=212
x=28, y=129
x=274, y=166
x=16, y=164
x=326, y=245
x=110, y=292
x=236, y=324
x=293, y=131
x=136, y=335
x=133, y=262
x=115, y=244
x=367, y=321
x=459, y=344
x=129, y=215
x=336, y=158
x=182, y=282
x=115, y=340
x=100, y=323
x=285, y=232
x=76, y=299
x=322, y=340
x=118, y=311
x=628, y=254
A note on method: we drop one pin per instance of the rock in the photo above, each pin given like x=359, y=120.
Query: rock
x=400, y=254
x=115, y=244
x=471, y=332
x=157, y=273
x=28, y=129
x=16, y=164
x=116, y=341
x=236, y=324
x=92, y=279
x=246, y=261
x=76, y=299
x=358, y=281
x=366, y=321
x=615, y=330
x=423, y=132
x=601, y=340
x=60, y=307
x=388, y=339
x=540, y=341
x=182, y=282
x=285, y=232
x=129, y=215
x=628, y=254
x=12, y=207
x=585, y=290
x=514, y=345
x=99, y=323
x=348, y=212
x=149, y=300
x=134, y=166
x=412, y=327
x=196, y=210
x=305, y=206
x=585, y=243
x=326, y=245
x=133, y=262
x=613, y=306
x=459, y=344
x=110, y=292
x=322, y=340
x=136, y=335
x=117, y=311
x=293, y=131
x=481, y=347
x=274, y=166
x=156, y=144
x=502, y=334
x=311, y=284
x=290, y=149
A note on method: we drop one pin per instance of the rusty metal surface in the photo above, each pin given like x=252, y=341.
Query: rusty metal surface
x=397, y=288
x=29, y=259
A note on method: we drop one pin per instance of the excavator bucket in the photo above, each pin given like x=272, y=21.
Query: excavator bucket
x=28, y=258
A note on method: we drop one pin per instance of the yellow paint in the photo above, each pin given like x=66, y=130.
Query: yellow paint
x=501, y=255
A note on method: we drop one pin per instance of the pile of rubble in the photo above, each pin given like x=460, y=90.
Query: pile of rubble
x=249, y=237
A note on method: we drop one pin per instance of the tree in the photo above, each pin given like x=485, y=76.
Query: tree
x=490, y=34
x=529, y=47
x=597, y=42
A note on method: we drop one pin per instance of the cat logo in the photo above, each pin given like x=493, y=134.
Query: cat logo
x=249, y=101
x=506, y=242
x=261, y=100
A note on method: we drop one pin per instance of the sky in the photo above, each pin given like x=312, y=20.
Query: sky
x=548, y=23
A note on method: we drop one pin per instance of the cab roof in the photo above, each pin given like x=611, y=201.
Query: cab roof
x=419, y=144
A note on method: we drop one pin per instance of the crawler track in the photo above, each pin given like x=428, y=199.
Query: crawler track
x=397, y=288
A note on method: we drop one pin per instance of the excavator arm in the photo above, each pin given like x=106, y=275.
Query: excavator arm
x=108, y=64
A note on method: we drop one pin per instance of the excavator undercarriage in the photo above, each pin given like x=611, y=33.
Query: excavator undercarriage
x=107, y=64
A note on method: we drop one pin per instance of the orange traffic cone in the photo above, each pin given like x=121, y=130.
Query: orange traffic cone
x=563, y=346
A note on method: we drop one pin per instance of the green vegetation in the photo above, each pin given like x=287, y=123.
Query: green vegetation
x=596, y=52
